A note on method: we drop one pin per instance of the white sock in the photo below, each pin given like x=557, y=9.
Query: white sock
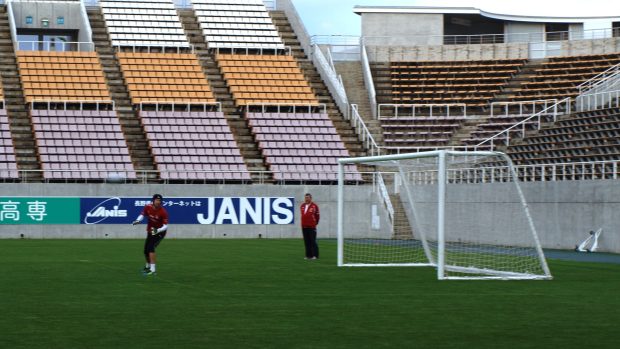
x=148, y=265
x=153, y=268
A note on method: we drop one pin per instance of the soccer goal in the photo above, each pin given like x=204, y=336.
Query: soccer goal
x=461, y=212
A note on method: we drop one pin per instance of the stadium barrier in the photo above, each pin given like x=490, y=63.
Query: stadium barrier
x=560, y=108
x=54, y=45
x=433, y=109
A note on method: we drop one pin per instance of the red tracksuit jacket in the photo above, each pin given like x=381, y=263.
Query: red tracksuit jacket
x=310, y=217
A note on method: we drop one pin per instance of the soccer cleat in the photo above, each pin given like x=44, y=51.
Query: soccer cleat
x=146, y=270
x=150, y=273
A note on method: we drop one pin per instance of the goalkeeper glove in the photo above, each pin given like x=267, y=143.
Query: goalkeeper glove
x=154, y=231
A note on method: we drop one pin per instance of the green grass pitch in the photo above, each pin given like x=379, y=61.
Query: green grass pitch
x=263, y=294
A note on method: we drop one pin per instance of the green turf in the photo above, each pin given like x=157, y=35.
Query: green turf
x=263, y=294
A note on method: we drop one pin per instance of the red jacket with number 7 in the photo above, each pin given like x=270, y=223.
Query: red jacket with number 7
x=310, y=215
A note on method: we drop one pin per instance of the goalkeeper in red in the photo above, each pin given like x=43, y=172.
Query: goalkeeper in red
x=156, y=228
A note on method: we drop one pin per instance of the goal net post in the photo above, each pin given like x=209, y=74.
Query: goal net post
x=462, y=212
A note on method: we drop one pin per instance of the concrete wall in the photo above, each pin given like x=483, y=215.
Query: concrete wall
x=447, y=52
x=524, y=32
x=71, y=12
x=590, y=47
x=563, y=212
x=402, y=29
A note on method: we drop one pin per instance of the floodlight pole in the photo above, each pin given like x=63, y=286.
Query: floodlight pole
x=441, y=215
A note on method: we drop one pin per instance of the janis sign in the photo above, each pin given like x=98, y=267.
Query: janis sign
x=122, y=210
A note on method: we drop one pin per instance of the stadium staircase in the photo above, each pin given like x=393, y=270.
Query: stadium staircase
x=353, y=80
x=344, y=128
x=20, y=123
x=402, y=229
x=248, y=145
x=527, y=72
x=133, y=130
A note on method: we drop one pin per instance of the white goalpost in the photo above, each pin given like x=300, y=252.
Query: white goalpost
x=462, y=212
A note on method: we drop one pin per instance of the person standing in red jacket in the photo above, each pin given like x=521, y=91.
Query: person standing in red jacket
x=310, y=216
x=156, y=228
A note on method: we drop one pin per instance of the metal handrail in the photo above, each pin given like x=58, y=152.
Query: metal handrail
x=330, y=77
x=47, y=45
x=385, y=196
x=362, y=130
x=280, y=106
x=430, y=106
x=64, y=103
x=599, y=79
x=174, y=104
x=607, y=99
x=567, y=101
x=160, y=48
x=533, y=103
x=368, y=81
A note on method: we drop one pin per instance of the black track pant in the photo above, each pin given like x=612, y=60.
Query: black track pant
x=312, y=248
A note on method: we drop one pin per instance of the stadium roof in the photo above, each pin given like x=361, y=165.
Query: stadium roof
x=472, y=10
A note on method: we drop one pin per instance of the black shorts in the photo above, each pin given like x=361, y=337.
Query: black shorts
x=152, y=241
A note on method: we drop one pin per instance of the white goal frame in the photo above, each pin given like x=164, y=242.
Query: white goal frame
x=441, y=219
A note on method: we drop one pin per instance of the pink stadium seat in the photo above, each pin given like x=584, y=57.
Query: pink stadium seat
x=201, y=139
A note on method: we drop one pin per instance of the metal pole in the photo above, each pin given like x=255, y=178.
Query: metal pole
x=441, y=201
x=340, y=226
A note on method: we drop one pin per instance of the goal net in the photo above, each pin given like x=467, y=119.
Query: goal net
x=461, y=212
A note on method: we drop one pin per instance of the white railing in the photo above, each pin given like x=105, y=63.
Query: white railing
x=598, y=100
x=65, y=104
x=417, y=149
x=385, y=196
x=363, y=133
x=593, y=170
x=477, y=39
x=91, y=3
x=182, y=4
x=86, y=22
x=413, y=110
x=331, y=79
x=12, y=24
x=197, y=177
x=270, y=4
x=520, y=127
x=296, y=23
x=600, y=80
x=572, y=171
x=343, y=47
x=160, y=48
x=368, y=81
x=54, y=45
x=285, y=107
x=521, y=105
x=176, y=105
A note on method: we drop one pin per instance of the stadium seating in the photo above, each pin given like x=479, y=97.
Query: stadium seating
x=265, y=79
x=193, y=146
x=474, y=83
x=419, y=131
x=165, y=77
x=559, y=76
x=62, y=76
x=300, y=146
x=143, y=23
x=81, y=144
x=589, y=136
x=8, y=165
x=236, y=24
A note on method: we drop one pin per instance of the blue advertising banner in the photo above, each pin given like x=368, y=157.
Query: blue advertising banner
x=209, y=210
